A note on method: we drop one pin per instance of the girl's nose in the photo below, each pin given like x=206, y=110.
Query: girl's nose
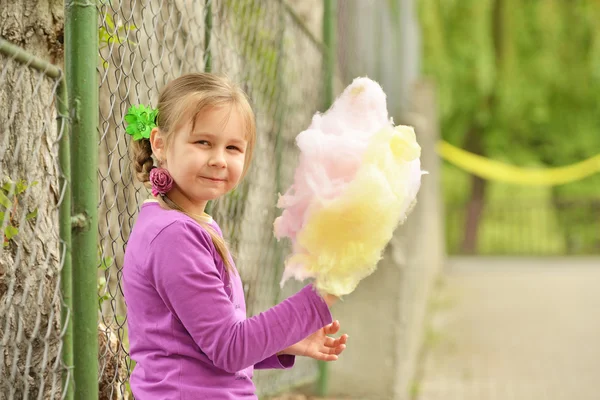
x=217, y=159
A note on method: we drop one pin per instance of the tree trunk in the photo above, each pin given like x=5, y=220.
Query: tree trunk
x=473, y=140
x=30, y=297
x=476, y=199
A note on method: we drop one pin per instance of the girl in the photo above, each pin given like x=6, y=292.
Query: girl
x=188, y=330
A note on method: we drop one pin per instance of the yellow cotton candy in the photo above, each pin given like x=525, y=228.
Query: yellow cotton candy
x=342, y=239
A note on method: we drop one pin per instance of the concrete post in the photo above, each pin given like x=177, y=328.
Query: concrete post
x=385, y=315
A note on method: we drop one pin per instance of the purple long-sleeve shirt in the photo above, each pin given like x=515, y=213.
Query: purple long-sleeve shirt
x=188, y=330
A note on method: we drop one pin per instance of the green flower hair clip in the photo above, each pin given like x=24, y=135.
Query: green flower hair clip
x=140, y=120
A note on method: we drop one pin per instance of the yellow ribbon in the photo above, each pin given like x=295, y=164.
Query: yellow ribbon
x=498, y=171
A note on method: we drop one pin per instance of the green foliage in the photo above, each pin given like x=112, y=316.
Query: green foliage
x=4, y=201
x=524, y=74
x=10, y=193
x=104, y=264
x=111, y=33
x=522, y=220
x=531, y=86
x=458, y=54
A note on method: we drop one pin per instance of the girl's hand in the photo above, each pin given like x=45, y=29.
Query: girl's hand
x=320, y=346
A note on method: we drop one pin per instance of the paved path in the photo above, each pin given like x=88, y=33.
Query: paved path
x=524, y=329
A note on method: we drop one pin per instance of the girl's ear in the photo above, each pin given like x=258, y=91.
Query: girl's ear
x=157, y=141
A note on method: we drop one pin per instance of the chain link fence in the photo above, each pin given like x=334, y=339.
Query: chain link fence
x=32, y=190
x=261, y=45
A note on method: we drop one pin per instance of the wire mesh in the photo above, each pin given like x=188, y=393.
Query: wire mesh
x=31, y=254
x=263, y=47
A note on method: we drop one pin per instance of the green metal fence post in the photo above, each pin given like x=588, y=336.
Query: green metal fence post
x=81, y=56
x=329, y=26
x=66, y=279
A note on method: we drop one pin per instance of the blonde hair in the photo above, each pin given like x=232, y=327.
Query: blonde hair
x=180, y=101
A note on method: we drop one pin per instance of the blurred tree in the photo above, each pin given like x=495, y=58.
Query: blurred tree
x=518, y=81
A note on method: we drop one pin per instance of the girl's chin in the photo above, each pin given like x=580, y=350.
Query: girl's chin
x=206, y=197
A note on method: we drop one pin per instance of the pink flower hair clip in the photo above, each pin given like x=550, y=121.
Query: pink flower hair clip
x=161, y=181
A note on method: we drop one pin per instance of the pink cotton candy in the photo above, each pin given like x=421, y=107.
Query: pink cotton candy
x=331, y=150
x=357, y=178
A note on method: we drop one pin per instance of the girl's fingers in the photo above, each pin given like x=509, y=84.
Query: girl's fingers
x=331, y=342
x=332, y=328
x=327, y=357
x=332, y=355
x=328, y=353
x=338, y=350
x=333, y=350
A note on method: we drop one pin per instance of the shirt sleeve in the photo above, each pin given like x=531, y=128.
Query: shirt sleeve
x=188, y=281
x=283, y=361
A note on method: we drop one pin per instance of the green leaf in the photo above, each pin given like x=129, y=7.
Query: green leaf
x=106, y=262
x=103, y=35
x=4, y=201
x=109, y=22
x=8, y=186
x=10, y=232
x=119, y=39
x=1, y=216
x=21, y=186
x=32, y=215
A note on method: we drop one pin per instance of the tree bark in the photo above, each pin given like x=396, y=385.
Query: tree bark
x=476, y=202
x=30, y=298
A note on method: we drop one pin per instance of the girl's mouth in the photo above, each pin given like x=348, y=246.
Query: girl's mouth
x=213, y=179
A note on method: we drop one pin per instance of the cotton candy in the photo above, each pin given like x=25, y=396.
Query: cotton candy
x=357, y=179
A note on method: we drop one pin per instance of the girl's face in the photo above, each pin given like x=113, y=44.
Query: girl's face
x=207, y=162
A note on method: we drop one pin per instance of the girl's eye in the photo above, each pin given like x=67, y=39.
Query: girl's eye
x=203, y=142
x=234, y=148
